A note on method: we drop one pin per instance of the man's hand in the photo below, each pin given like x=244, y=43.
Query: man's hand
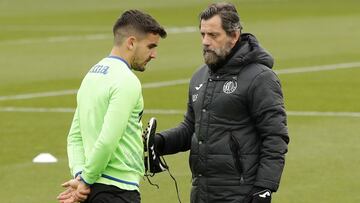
x=76, y=191
x=68, y=196
x=82, y=191
x=263, y=196
x=258, y=195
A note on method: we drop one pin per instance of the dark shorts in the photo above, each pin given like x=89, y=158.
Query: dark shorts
x=101, y=193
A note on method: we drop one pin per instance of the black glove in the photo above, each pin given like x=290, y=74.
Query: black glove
x=263, y=196
x=258, y=195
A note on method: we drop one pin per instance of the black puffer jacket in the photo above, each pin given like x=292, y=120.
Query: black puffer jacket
x=235, y=126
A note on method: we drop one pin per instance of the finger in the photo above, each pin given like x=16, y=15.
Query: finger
x=73, y=200
x=80, y=197
x=66, y=194
x=73, y=183
x=66, y=184
x=66, y=200
x=61, y=195
x=84, y=191
x=70, y=200
x=64, y=197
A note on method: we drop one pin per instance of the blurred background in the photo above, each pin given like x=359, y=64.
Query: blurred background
x=47, y=46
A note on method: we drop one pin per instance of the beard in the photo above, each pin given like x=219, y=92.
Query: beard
x=214, y=56
x=137, y=66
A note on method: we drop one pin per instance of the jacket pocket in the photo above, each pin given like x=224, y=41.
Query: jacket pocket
x=235, y=150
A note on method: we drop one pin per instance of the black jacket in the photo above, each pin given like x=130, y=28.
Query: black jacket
x=235, y=126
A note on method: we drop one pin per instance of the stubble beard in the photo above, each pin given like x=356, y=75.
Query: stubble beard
x=139, y=66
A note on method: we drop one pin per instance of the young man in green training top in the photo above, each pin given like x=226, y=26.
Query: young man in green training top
x=105, y=146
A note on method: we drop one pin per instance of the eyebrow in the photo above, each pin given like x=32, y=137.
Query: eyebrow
x=210, y=33
x=153, y=45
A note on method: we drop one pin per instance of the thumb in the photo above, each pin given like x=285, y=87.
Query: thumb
x=71, y=183
x=66, y=184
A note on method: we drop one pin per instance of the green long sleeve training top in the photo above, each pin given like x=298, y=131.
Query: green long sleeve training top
x=105, y=143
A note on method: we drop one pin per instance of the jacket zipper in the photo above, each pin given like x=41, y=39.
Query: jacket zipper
x=235, y=149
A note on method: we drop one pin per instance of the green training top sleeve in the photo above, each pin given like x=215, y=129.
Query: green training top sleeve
x=75, y=147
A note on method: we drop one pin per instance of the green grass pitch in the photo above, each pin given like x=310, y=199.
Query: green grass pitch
x=48, y=46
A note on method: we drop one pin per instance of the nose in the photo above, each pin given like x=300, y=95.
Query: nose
x=153, y=54
x=206, y=41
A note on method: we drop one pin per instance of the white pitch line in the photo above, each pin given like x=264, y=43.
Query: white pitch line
x=36, y=110
x=165, y=83
x=319, y=68
x=37, y=95
x=103, y=36
x=57, y=39
x=184, y=81
x=164, y=111
x=325, y=114
x=74, y=91
x=179, y=30
x=173, y=111
x=72, y=110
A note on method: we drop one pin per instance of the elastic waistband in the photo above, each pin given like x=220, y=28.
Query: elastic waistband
x=119, y=180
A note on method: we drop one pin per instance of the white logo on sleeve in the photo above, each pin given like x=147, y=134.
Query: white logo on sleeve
x=197, y=88
x=266, y=194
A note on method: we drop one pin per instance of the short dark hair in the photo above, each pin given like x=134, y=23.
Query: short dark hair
x=229, y=16
x=139, y=22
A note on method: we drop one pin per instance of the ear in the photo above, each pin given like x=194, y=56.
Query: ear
x=131, y=43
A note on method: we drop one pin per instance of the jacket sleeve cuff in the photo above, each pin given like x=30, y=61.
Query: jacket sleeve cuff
x=159, y=143
x=84, y=181
x=75, y=171
x=267, y=184
x=76, y=174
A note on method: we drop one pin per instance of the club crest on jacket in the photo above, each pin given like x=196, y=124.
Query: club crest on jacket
x=229, y=87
